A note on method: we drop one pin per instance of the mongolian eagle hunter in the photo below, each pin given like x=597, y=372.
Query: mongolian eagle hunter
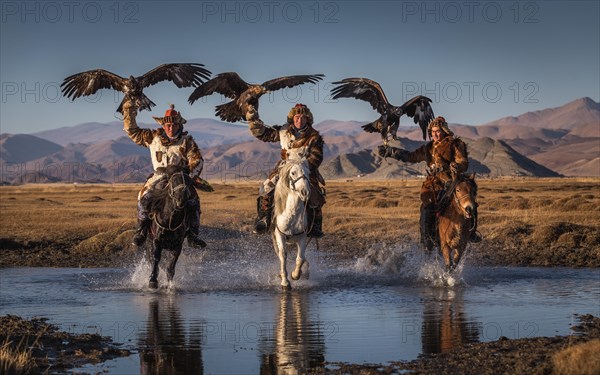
x=244, y=95
x=87, y=83
x=387, y=124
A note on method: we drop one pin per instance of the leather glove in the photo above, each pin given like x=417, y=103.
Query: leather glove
x=392, y=152
x=129, y=104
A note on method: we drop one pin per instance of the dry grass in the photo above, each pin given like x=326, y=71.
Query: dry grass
x=581, y=359
x=17, y=359
x=558, y=217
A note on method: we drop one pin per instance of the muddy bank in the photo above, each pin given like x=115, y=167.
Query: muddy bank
x=51, y=350
x=517, y=245
x=575, y=354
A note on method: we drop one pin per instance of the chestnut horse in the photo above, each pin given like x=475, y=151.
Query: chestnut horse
x=456, y=218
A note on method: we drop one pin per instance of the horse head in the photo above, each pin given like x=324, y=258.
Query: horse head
x=295, y=175
x=465, y=195
x=177, y=186
x=171, y=191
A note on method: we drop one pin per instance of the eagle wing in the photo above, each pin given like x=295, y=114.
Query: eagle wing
x=420, y=110
x=87, y=83
x=363, y=89
x=229, y=84
x=291, y=81
x=182, y=75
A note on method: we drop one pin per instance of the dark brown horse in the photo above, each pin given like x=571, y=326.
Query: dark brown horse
x=168, y=211
x=456, y=218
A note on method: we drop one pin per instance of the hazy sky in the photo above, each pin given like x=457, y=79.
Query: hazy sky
x=477, y=60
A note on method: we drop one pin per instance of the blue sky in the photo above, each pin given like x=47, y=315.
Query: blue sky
x=477, y=60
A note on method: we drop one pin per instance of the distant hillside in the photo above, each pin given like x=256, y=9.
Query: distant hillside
x=564, y=139
x=19, y=148
x=487, y=157
x=578, y=113
x=207, y=132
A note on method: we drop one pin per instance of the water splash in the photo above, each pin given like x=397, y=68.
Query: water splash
x=408, y=262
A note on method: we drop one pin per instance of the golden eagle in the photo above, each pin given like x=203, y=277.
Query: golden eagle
x=387, y=124
x=87, y=83
x=232, y=86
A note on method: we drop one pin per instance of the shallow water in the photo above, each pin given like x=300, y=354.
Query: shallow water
x=230, y=317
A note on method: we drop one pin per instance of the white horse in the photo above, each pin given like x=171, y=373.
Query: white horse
x=290, y=219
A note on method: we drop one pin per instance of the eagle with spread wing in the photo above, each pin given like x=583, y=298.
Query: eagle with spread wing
x=87, y=83
x=244, y=95
x=387, y=124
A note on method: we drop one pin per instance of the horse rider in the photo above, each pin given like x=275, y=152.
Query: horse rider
x=169, y=145
x=298, y=140
x=445, y=155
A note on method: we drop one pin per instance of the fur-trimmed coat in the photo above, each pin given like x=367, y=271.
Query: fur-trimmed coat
x=294, y=144
x=439, y=156
x=182, y=150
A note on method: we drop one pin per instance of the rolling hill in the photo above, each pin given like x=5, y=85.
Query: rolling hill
x=563, y=140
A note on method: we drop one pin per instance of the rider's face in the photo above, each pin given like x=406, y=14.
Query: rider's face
x=299, y=121
x=171, y=129
x=437, y=134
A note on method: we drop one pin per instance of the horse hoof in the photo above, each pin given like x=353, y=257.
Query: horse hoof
x=296, y=276
x=286, y=288
x=153, y=284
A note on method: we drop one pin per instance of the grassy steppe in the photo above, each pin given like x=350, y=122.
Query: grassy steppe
x=533, y=222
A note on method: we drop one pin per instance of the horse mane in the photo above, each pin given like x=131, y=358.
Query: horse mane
x=282, y=189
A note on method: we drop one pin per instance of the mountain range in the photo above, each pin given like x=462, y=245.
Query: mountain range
x=556, y=141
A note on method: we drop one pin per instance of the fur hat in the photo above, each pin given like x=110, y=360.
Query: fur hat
x=300, y=109
x=171, y=117
x=441, y=123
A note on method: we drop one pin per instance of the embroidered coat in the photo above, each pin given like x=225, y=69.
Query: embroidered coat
x=181, y=150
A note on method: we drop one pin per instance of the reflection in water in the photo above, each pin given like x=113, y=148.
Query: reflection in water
x=163, y=346
x=297, y=343
x=445, y=325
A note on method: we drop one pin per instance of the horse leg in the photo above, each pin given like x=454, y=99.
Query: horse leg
x=446, y=252
x=172, y=264
x=301, y=244
x=153, y=283
x=279, y=244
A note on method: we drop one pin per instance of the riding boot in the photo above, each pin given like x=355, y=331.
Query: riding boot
x=193, y=224
x=143, y=223
x=474, y=236
x=428, y=226
x=315, y=218
x=264, y=208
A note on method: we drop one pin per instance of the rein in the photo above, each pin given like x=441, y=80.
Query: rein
x=171, y=192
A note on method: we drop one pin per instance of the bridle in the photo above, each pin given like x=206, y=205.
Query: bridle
x=293, y=182
x=458, y=199
x=171, y=192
